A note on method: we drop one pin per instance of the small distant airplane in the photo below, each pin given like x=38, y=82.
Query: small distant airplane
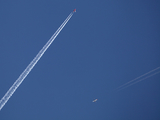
x=74, y=10
x=94, y=100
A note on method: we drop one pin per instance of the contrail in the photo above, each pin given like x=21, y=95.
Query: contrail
x=138, y=79
x=32, y=64
x=121, y=88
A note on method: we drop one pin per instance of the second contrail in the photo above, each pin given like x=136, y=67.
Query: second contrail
x=138, y=79
x=32, y=64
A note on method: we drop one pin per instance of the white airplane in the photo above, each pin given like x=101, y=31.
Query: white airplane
x=74, y=10
x=94, y=100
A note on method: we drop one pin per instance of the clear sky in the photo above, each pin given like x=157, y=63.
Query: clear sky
x=105, y=44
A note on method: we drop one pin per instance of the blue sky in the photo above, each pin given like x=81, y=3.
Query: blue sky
x=104, y=45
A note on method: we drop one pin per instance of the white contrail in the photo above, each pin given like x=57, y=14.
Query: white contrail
x=32, y=64
x=121, y=88
x=138, y=79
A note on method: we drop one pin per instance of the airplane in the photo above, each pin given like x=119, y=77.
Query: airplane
x=94, y=100
x=74, y=10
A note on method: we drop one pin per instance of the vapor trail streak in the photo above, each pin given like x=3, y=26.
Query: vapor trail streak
x=32, y=64
x=138, y=79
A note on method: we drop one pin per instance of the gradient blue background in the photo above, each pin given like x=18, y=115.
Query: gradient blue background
x=105, y=44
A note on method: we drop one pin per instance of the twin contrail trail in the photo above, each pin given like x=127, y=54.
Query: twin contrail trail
x=32, y=64
x=138, y=79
